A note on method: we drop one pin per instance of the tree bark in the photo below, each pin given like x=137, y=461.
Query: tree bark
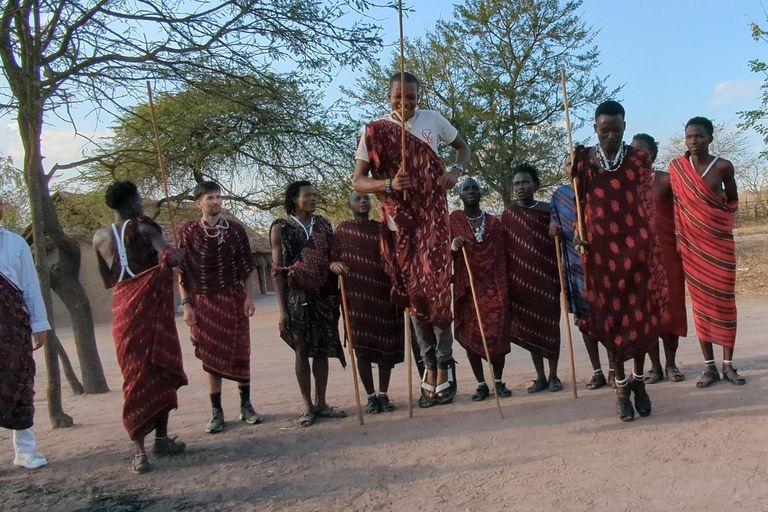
x=69, y=373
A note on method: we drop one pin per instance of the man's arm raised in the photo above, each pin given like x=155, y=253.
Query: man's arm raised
x=448, y=180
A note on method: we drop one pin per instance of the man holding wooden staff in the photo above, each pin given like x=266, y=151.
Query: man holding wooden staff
x=308, y=296
x=375, y=322
x=482, y=235
x=626, y=282
x=416, y=248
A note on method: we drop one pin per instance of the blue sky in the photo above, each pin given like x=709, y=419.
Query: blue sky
x=676, y=59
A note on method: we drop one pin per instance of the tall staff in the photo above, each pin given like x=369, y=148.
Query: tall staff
x=351, y=350
x=564, y=302
x=161, y=161
x=573, y=164
x=482, y=331
x=407, y=313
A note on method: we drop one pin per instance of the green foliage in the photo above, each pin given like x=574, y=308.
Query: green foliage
x=16, y=204
x=494, y=72
x=756, y=118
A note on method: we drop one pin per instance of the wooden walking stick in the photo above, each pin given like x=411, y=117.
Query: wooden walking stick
x=482, y=331
x=402, y=99
x=575, y=180
x=564, y=301
x=161, y=161
x=409, y=351
x=351, y=350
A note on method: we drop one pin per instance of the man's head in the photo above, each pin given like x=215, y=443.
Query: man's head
x=526, y=181
x=646, y=143
x=208, y=198
x=609, y=125
x=408, y=92
x=124, y=197
x=470, y=193
x=360, y=204
x=300, y=196
x=699, y=134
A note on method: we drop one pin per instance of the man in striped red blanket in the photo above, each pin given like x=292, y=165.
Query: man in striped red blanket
x=705, y=210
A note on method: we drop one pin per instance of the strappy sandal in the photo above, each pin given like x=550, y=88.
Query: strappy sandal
x=654, y=376
x=674, y=374
x=168, y=446
x=642, y=400
x=307, y=419
x=140, y=464
x=729, y=374
x=623, y=404
x=539, y=385
x=501, y=390
x=373, y=406
x=446, y=392
x=425, y=400
x=482, y=392
x=598, y=381
x=555, y=385
x=386, y=405
x=708, y=377
x=330, y=412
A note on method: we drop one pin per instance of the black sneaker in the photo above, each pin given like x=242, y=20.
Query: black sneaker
x=248, y=414
x=216, y=424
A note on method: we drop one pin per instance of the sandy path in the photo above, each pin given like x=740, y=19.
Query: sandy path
x=700, y=448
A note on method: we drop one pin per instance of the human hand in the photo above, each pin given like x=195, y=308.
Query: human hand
x=580, y=244
x=448, y=180
x=189, y=314
x=554, y=230
x=282, y=324
x=176, y=257
x=458, y=243
x=568, y=167
x=401, y=181
x=38, y=339
x=250, y=308
x=339, y=268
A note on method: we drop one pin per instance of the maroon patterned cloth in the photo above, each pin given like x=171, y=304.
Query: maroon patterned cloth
x=534, y=286
x=311, y=292
x=375, y=322
x=626, y=281
x=213, y=273
x=419, y=262
x=17, y=366
x=489, y=271
x=147, y=344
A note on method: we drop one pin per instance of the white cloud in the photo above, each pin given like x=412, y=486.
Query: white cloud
x=735, y=89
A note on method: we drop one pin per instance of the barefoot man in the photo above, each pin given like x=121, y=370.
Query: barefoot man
x=216, y=289
x=675, y=323
x=417, y=254
x=375, y=321
x=23, y=328
x=308, y=296
x=705, y=210
x=626, y=283
x=482, y=235
x=534, y=287
x=136, y=263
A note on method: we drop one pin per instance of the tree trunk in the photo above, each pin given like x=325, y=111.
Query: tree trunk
x=66, y=284
x=69, y=373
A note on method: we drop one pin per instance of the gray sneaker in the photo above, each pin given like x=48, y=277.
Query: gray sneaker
x=217, y=422
x=248, y=414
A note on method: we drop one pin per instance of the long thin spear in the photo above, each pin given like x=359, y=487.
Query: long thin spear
x=579, y=216
x=482, y=331
x=402, y=91
x=351, y=350
x=564, y=302
x=161, y=161
x=409, y=351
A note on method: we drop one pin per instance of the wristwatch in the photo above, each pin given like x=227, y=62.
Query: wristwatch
x=458, y=166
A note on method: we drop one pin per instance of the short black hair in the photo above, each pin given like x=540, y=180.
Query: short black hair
x=530, y=169
x=652, y=143
x=205, y=187
x=609, y=108
x=409, y=79
x=292, y=192
x=703, y=122
x=120, y=194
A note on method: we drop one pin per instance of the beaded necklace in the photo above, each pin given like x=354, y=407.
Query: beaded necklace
x=220, y=227
x=610, y=165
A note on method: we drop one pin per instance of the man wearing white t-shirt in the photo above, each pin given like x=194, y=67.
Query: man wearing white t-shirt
x=23, y=320
x=414, y=206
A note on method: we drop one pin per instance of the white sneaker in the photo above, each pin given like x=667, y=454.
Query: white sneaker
x=30, y=460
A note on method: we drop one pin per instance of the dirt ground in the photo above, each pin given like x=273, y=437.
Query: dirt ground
x=701, y=449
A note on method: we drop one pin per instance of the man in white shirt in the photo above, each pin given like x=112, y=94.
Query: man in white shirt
x=23, y=320
x=418, y=255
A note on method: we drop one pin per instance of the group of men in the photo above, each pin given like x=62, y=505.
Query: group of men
x=641, y=237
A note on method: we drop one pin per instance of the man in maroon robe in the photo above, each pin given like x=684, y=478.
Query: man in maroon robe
x=23, y=320
x=375, y=322
x=135, y=261
x=625, y=279
x=481, y=235
x=216, y=288
x=417, y=251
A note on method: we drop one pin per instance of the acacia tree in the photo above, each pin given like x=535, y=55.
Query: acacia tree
x=756, y=119
x=494, y=72
x=58, y=53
